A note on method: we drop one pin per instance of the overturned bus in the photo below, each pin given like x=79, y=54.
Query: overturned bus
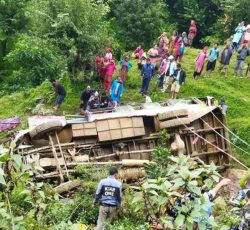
x=125, y=137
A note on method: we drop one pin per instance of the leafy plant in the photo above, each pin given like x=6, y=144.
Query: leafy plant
x=176, y=199
x=22, y=202
x=33, y=60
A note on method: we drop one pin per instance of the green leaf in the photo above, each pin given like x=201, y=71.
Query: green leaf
x=2, y=180
x=138, y=197
x=189, y=224
x=4, y=157
x=41, y=193
x=177, y=183
x=195, y=214
x=185, y=173
x=153, y=192
x=194, y=189
x=202, y=226
x=196, y=173
x=209, y=183
x=17, y=159
x=179, y=221
x=165, y=186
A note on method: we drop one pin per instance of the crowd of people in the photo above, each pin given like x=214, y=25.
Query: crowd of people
x=162, y=61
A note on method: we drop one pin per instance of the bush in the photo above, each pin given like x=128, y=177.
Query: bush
x=32, y=61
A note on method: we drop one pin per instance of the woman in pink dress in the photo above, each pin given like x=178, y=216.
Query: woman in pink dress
x=138, y=52
x=192, y=32
x=200, y=61
x=110, y=70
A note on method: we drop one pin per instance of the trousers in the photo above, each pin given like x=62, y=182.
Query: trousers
x=145, y=84
x=166, y=82
x=106, y=214
x=239, y=65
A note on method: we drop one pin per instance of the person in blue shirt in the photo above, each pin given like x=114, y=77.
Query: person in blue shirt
x=239, y=31
x=116, y=91
x=147, y=73
x=108, y=194
x=213, y=55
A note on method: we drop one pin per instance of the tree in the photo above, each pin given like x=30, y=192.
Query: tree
x=71, y=25
x=139, y=21
x=13, y=20
x=33, y=60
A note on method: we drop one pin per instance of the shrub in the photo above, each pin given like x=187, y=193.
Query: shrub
x=33, y=60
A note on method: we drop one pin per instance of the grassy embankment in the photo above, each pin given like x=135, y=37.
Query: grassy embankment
x=235, y=90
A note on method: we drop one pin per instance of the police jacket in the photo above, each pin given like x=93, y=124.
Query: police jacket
x=109, y=192
x=148, y=70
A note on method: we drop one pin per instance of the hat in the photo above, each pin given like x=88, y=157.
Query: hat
x=248, y=27
x=171, y=57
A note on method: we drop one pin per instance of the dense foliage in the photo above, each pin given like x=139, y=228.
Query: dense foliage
x=32, y=61
x=139, y=22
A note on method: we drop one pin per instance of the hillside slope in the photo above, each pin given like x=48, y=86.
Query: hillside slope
x=235, y=90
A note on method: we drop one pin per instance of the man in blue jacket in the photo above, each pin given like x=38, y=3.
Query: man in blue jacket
x=147, y=73
x=179, y=79
x=108, y=194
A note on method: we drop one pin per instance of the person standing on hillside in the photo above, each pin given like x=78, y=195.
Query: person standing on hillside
x=179, y=80
x=125, y=65
x=147, y=73
x=213, y=55
x=200, y=61
x=178, y=49
x=109, y=55
x=225, y=58
x=116, y=91
x=238, y=35
x=246, y=36
x=110, y=70
x=170, y=69
x=108, y=194
x=192, y=32
x=99, y=61
x=61, y=93
x=153, y=54
x=162, y=71
x=173, y=40
x=138, y=52
x=163, y=41
x=243, y=53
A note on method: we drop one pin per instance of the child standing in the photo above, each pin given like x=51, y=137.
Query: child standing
x=225, y=57
x=213, y=55
x=200, y=61
x=243, y=53
x=125, y=67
